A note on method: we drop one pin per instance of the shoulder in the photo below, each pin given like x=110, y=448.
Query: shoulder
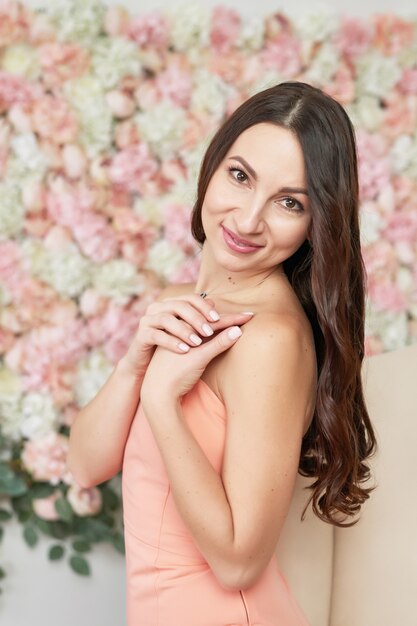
x=178, y=289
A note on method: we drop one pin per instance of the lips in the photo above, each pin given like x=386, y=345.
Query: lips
x=239, y=240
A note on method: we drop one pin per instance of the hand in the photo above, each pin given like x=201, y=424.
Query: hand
x=170, y=375
x=170, y=322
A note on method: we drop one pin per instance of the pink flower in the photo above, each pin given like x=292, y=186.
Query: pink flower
x=61, y=62
x=374, y=168
x=392, y=33
x=120, y=104
x=116, y=21
x=408, y=81
x=188, y=272
x=177, y=226
x=400, y=115
x=15, y=89
x=92, y=303
x=175, y=83
x=225, y=28
x=74, y=160
x=45, y=458
x=53, y=119
x=132, y=167
x=66, y=202
x=84, y=502
x=14, y=21
x=230, y=65
x=401, y=227
x=380, y=258
x=342, y=85
x=283, y=55
x=387, y=296
x=150, y=30
x=354, y=37
x=95, y=237
x=45, y=507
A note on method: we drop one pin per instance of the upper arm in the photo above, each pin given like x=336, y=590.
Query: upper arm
x=266, y=386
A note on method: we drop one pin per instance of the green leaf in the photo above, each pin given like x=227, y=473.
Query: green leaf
x=80, y=565
x=43, y=525
x=64, y=510
x=60, y=530
x=81, y=546
x=42, y=490
x=11, y=484
x=1, y=533
x=110, y=499
x=2, y=573
x=30, y=535
x=56, y=552
x=5, y=515
x=118, y=542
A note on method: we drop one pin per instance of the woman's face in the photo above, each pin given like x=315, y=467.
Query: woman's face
x=258, y=192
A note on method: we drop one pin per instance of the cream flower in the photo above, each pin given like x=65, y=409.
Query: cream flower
x=376, y=74
x=94, y=116
x=21, y=59
x=85, y=502
x=324, y=64
x=189, y=26
x=26, y=149
x=112, y=59
x=210, y=93
x=91, y=374
x=165, y=258
x=38, y=415
x=117, y=279
x=252, y=33
x=12, y=211
x=162, y=127
x=78, y=20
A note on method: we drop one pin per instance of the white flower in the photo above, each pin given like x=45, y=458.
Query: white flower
x=21, y=59
x=370, y=222
x=324, y=64
x=210, y=93
x=150, y=209
x=189, y=26
x=67, y=270
x=26, y=148
x=165, y=259
x=252, y=33
x=403, y=155
x=376, y=74
x=12, y=211
x=404, y=280
x=366, y=112
x=92, y=373
x=113, y=58
x=38, y=415
x=11, y=391
x=117, y=279
x=315, y=25
x=162, y=127
x=390, y=326
x=77, y=20
x=94, y=115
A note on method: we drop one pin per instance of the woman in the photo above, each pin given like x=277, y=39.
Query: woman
x=227, y=419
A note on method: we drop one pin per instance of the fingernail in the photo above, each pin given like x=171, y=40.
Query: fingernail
x=234, y=332
x=183, y=347
x=247, y=313
x=214, y=315
x=195, y=339
x=206, y=328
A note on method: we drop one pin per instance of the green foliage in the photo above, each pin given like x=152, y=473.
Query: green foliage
x=80, y=565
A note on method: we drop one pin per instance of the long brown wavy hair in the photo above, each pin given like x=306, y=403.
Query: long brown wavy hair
x=328, y=276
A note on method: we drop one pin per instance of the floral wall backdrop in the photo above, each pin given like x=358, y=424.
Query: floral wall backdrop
x=104, y=118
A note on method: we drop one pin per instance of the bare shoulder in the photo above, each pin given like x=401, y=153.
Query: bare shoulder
x=178, y=289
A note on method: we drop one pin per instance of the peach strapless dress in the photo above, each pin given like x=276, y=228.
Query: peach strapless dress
x=168, y=581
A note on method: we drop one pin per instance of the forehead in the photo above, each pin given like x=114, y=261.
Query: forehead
x=270, y=148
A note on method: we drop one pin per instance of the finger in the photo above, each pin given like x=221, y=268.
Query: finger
x=160, y=338
x=182, y=309
x=176, y=327
x=221, y=342
x=206, y=306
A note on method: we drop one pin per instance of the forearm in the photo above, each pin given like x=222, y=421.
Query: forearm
x=196, y=487
x=100, y=430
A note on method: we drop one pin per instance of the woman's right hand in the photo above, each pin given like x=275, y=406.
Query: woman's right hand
x=173, y=323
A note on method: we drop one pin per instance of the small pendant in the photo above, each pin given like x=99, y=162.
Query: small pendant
x=203, y=294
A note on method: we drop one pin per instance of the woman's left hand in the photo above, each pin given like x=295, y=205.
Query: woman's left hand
x=170, y=375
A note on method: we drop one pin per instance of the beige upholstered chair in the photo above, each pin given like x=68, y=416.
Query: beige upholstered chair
x=366, y=575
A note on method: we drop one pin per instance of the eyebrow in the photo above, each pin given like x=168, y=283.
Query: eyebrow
x=255, y=177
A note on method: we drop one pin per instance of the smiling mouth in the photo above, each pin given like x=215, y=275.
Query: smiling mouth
x=239, y=242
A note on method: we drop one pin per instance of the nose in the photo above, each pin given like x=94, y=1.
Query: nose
x=250, y=219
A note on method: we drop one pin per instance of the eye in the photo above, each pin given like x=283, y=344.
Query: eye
x=232, y=168
x=293, y=205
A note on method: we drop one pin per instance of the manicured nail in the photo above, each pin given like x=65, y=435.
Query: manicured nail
x=234, y=332
x=214, y=315
x=247, y=313
x=195, y=339
x=206, y=328
x=183, y=347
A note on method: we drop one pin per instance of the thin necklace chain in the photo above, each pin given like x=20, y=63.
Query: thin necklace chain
x=204, y=294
